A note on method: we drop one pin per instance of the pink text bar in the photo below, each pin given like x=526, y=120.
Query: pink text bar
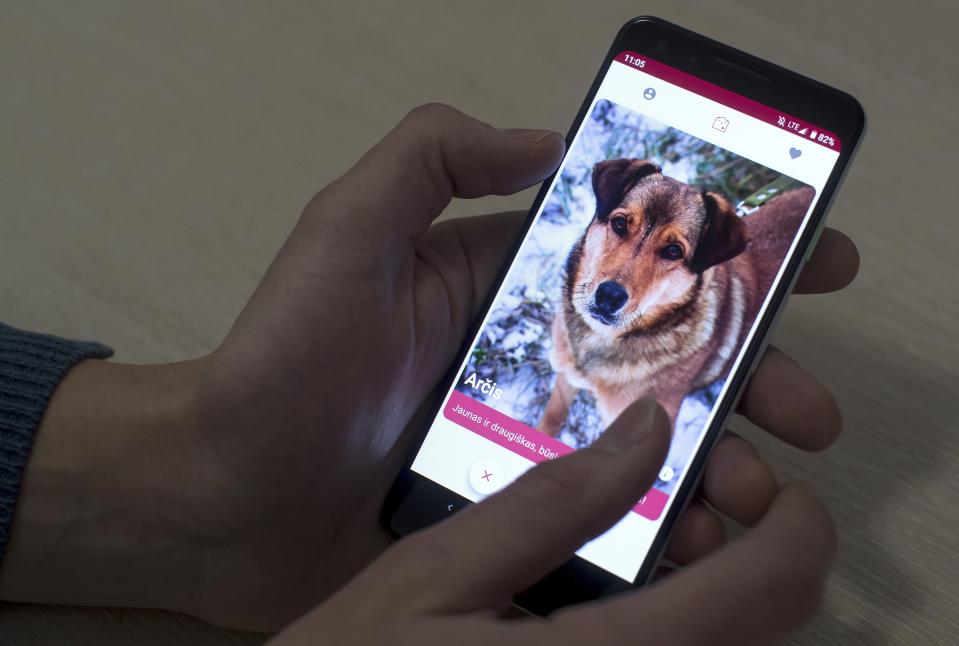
x=527, y=441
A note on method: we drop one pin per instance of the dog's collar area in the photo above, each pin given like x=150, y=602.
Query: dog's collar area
x=776, y=187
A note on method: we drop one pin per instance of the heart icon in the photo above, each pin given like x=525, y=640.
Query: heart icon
x=794, y=152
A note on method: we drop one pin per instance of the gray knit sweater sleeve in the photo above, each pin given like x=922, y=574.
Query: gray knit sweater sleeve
x=31, y=366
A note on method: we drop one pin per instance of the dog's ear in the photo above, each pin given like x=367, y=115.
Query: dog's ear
x=724, y=234
x=613, y=178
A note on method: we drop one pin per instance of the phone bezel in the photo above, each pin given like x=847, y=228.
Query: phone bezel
x=415, y=501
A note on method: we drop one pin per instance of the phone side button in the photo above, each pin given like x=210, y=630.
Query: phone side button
x=812, y=245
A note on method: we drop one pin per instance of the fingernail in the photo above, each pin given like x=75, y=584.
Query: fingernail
x=632, y=426
x=530, y=135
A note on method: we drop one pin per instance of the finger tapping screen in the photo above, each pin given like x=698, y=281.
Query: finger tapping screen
x=653, y=254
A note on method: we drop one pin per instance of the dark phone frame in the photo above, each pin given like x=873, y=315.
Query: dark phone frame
x=415, y=501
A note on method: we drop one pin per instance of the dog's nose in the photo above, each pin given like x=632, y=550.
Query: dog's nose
x=610, y=296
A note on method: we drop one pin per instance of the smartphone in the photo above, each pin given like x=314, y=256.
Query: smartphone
x=654, y=261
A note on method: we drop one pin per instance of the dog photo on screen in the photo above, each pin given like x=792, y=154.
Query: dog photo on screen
x=643, y=275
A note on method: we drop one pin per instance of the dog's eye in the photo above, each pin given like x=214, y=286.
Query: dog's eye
x=619, y=225
x=672, y=251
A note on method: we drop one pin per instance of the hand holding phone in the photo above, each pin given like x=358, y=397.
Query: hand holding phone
x=450, y=584
x=299, y=413
x=269, y=458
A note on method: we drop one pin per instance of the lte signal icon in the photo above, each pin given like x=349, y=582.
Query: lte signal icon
x=721, y=123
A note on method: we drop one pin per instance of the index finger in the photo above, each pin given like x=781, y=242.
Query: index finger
x=833, y=265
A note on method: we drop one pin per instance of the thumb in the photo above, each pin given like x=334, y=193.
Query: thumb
x=492, y=550
x=435, y=153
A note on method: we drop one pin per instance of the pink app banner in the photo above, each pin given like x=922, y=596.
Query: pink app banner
x=527, y=442
x=730, y=99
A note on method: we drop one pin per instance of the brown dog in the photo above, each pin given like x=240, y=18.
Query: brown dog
x=661, y=289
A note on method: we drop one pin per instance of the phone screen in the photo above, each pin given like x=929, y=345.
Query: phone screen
x=645, y=270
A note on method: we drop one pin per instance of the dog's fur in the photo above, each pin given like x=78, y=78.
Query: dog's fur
x=683, y=280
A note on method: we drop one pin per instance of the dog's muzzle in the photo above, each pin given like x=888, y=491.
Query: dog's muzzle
x=609, y=298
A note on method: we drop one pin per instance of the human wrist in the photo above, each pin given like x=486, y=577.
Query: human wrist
x=104, y=516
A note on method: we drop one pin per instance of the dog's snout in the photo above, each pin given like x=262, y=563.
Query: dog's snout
x=610, y=297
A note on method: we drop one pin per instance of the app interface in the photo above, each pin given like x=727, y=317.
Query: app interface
x=647, y=265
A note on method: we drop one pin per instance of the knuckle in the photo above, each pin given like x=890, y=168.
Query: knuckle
x=429, y=113
x=422, y=134
x=832, y=419
x=820, y=519
x=794, y=580
x=780, y=575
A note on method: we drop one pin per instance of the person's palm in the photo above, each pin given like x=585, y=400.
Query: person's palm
x=298, y=416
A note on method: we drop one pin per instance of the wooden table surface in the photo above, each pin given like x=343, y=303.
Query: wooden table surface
x=153, y=156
